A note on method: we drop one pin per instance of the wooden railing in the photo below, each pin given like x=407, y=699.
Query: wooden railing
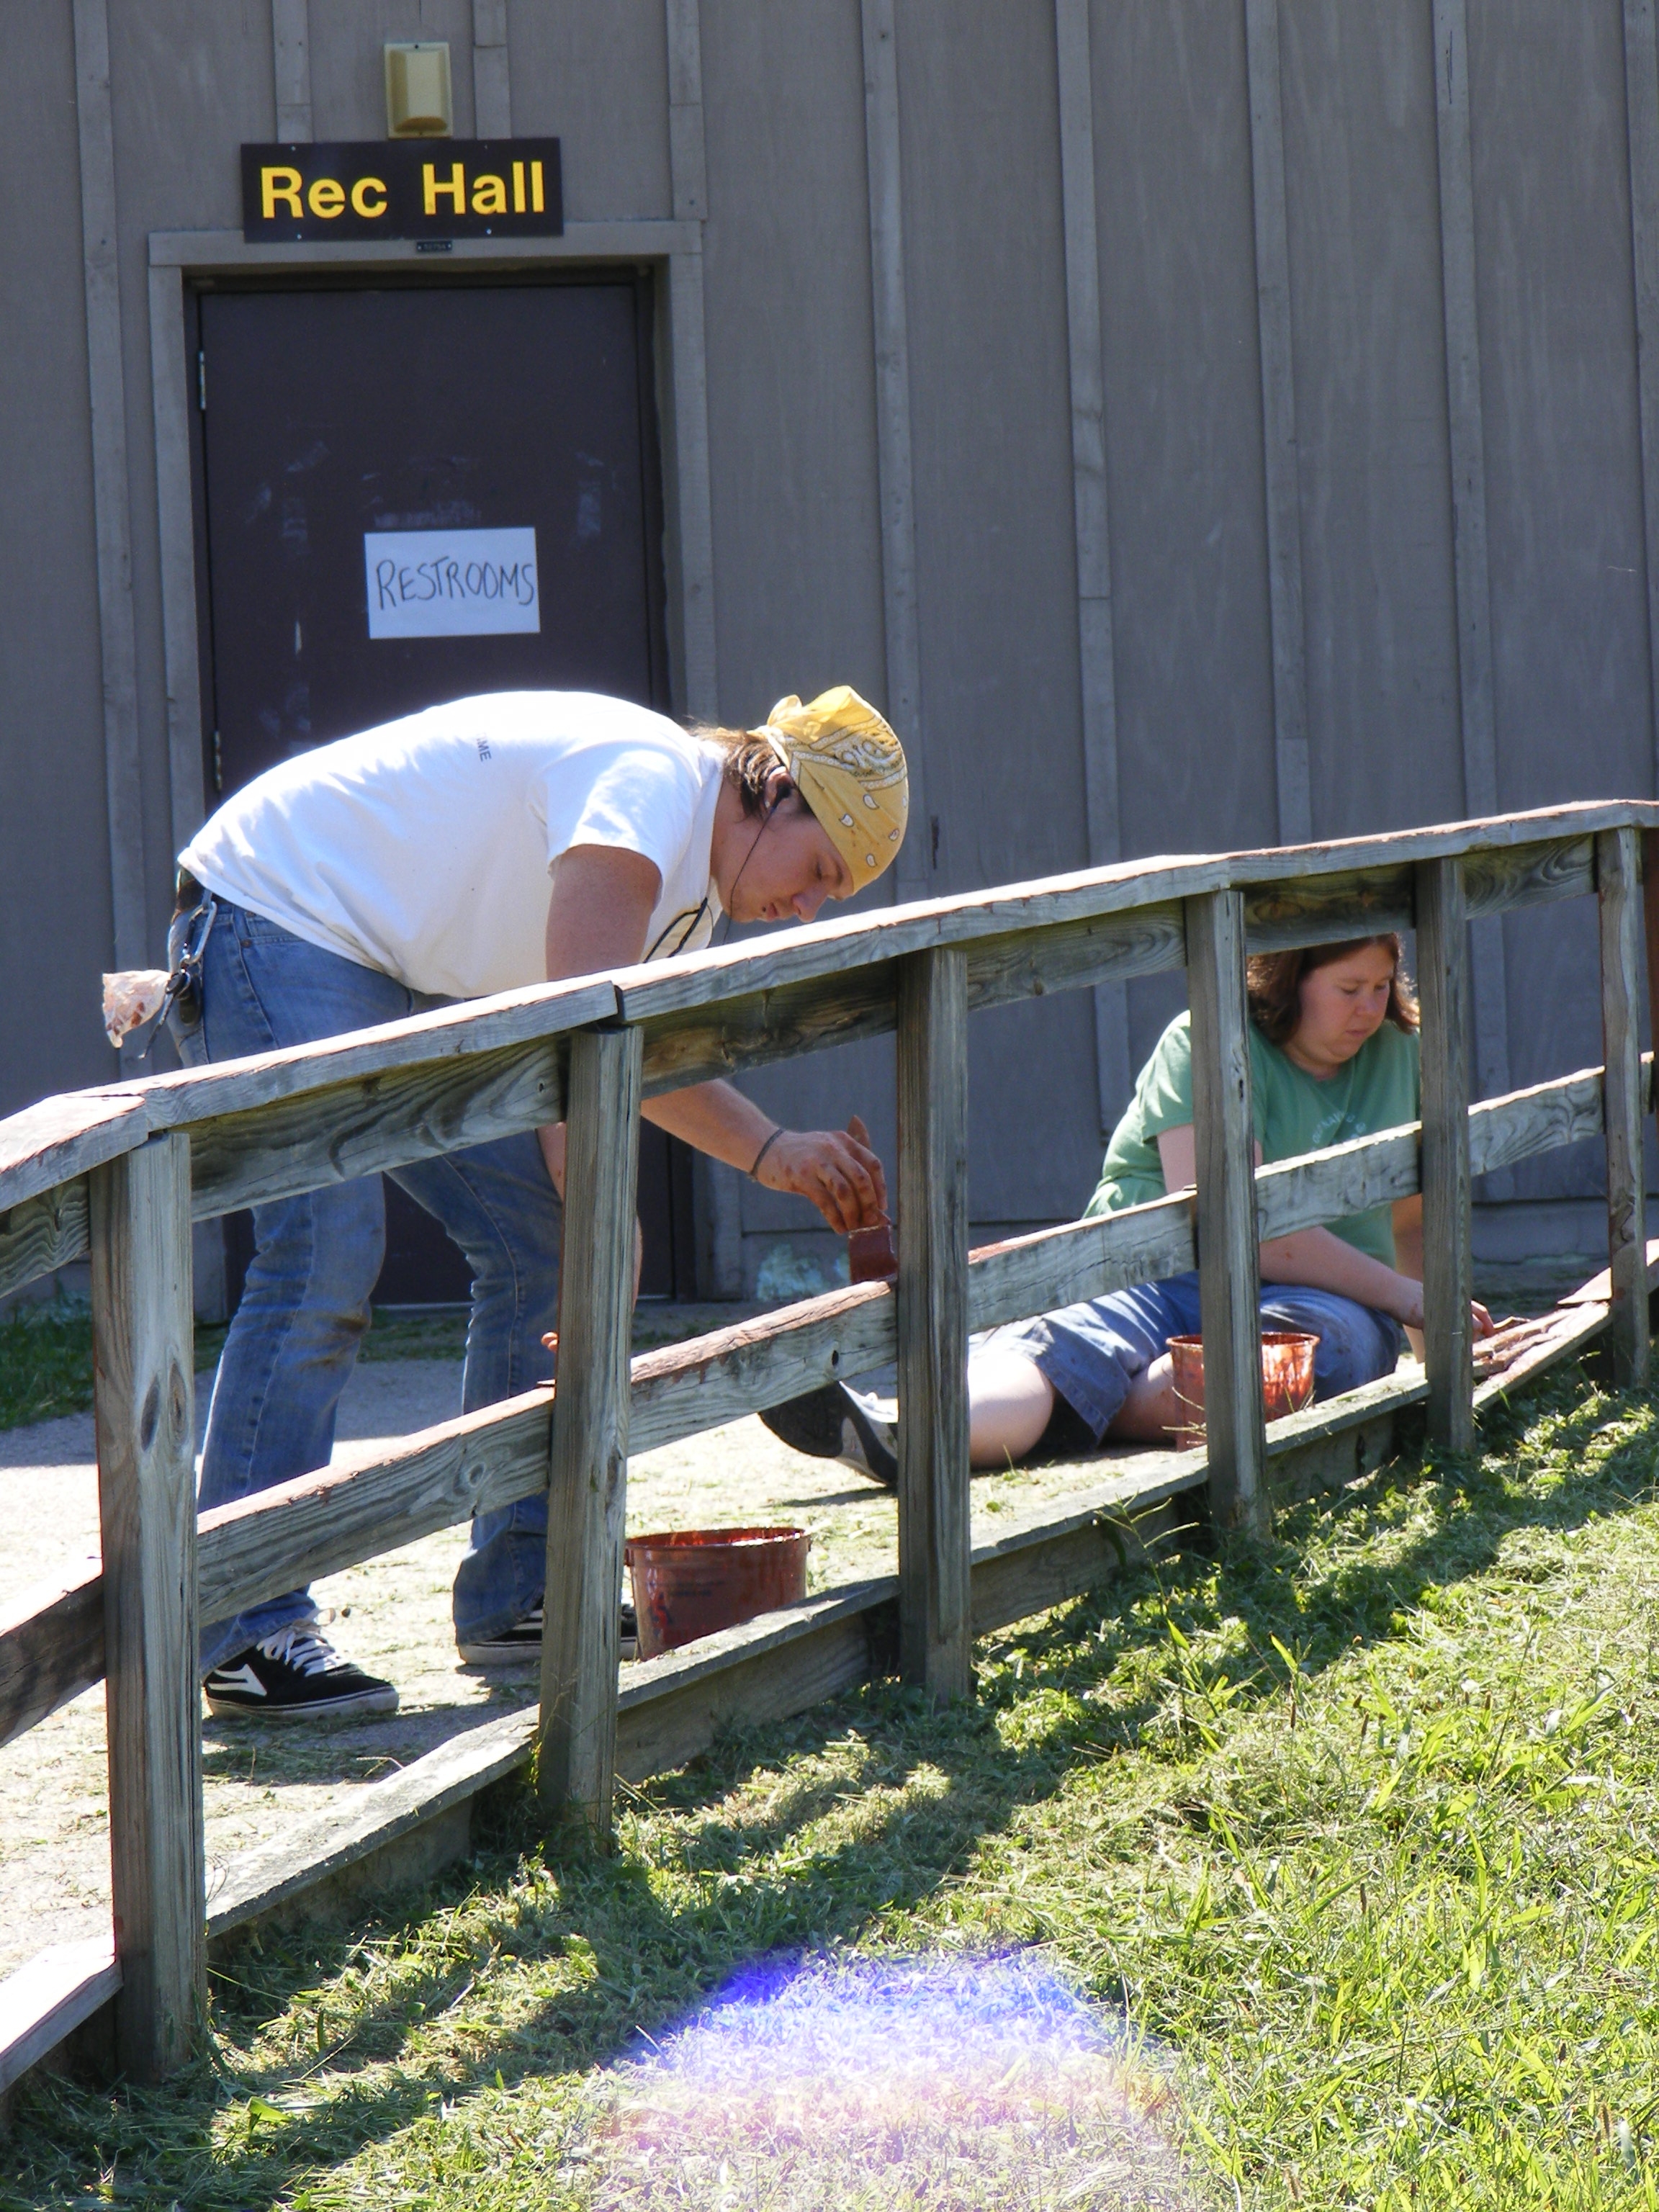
x=121, y=1173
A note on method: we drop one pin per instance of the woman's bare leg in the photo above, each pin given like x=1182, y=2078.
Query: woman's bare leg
x=1151, y=1409
x=1010, y=1402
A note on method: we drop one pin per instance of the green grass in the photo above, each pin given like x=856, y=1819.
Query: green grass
x=1360, y=1834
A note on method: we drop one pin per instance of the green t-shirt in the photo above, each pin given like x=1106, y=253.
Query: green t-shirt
x=1293, y=1112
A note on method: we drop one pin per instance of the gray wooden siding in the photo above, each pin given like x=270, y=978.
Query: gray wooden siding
x=800, y=590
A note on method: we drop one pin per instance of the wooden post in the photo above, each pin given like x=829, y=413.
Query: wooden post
x=588, y=1487
x=1443, y=962
x=1228, y=1258
x=143, y=1373
x=1618, y=879
x=935, y=1614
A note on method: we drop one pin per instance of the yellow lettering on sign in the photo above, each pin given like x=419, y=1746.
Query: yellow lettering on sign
x=279, y=185
x=489, y=196
x=326, y=198
x=456, y=188
x=360, y=193
x=537, y=204
x=517, y=188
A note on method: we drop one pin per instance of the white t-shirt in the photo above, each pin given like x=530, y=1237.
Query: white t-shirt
x=423, y=847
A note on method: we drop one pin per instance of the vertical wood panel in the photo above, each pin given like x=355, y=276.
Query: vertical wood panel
x=687, y=153
x=106, y=386
x=1471, y=573
x=1448, y=1263
x=492, y=81
x=719, y=1191
x=1618, y=884
x=1280, y=457
x=291, y=42
x=1642, y=133
x=895, y=464
x=935, y=1616
x=142, y=1383
x=1090, y=510
x=173, y=390
x=1229, y=1257
x=587, y=1491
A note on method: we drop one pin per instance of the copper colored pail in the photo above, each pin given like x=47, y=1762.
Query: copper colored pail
x=1287, y=1379
x=694, y=1581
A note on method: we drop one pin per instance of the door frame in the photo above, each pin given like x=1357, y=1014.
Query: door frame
x=670, y=253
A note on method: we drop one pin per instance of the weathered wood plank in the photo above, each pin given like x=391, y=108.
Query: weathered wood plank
x=1502, y=882
x=395, y=1049
x=42, y=1233
x=1229, y=1265
x=807, y=1015
x=309, y=1850
x=935, y=1628
x=1618, y=889
x=1448, y=1263
x=1318, y=909
x=684, y=1389
x=1343, y=1179
x=1541, y=1118
x=143, y=1373
x=1053, y=1267
x=49, y=1997
x=47, y=1144
x=317, y=1524
x=52, y=1648
x=375, y=1121
x=587, y=1493
x=670, y=1709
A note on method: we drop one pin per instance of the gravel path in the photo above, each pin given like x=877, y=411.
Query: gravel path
x=391, y=1616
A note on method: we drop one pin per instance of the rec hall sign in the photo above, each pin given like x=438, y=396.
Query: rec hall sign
x=403, y=188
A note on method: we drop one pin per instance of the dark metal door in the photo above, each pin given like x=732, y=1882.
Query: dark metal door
x=339, y=424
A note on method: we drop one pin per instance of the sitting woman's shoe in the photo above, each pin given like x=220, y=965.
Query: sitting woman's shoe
x=835, y=1423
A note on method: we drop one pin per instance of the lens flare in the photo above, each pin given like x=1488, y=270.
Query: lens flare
x=963, y=2083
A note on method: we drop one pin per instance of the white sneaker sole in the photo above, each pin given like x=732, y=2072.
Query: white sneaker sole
x=328, y=1709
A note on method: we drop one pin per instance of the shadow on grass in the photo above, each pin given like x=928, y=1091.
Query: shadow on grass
x=647, y=1961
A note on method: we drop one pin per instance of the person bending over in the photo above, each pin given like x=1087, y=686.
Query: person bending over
x=1333, y=1056
x=493, y=842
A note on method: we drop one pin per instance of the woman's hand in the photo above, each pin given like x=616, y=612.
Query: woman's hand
x=1408, y=1309
x=836, y=1169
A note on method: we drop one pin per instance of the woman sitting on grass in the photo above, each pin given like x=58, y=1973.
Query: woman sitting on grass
x=1333, y=1056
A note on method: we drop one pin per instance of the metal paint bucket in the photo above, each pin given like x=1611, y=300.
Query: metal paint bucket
x=1287, y=1378
x=689, y=1582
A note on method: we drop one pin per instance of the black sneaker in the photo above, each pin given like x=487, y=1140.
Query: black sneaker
x=522, y=1644
x=835, y=1423
x=295, y=1675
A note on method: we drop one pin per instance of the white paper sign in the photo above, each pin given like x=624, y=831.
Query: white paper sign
x=451, y=583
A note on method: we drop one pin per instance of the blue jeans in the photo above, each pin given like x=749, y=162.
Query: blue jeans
x=306, y=1303
x=1093, y=1352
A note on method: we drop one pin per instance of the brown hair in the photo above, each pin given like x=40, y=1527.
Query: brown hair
x=751, y=764
x=1273, y=980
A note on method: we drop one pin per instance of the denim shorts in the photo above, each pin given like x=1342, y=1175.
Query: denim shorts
x=1093, y=1352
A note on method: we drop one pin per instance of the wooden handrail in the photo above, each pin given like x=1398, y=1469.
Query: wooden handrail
x=1511, y=861
x=316, y=1524
x=121, y=1171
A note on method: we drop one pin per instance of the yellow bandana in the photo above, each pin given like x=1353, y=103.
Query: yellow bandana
x=849, y=768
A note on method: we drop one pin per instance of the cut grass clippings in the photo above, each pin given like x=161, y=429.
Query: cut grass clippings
x=1353, y=1840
